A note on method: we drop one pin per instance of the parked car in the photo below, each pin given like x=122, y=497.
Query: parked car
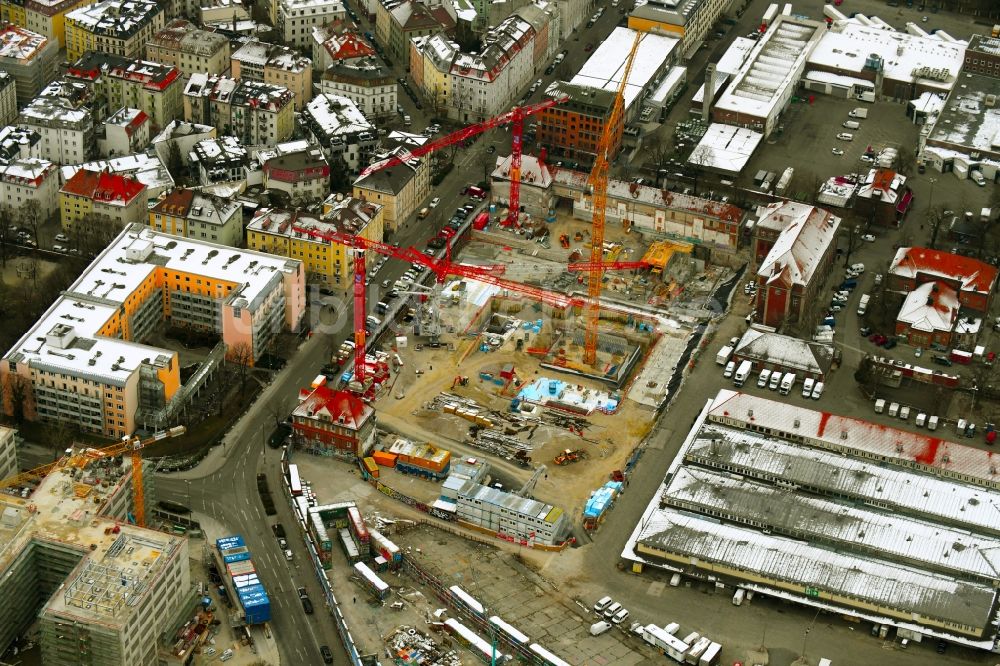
x=845, y=136
x=858, y=268
x=327, y=655
x=62, y=238
x=838, y=151
x=434, y=202
x=890, y=343
x=602, y=604
x=818, y=390
x=877, y=339
x=942, y=360
x=620, y=616
x=868, y=238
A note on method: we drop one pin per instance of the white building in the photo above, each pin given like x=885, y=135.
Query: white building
x=25, y=179
x=511, y=515
x=222, y=160
x=340, y=128
x=61, y=114
x=366, y=82
x=146, y=168
x=182, y=134
x=124, y=132
x=297, y=18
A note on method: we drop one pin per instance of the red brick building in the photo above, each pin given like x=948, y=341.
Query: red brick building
x=334, y=422
x=972, y=279
x=794, y=248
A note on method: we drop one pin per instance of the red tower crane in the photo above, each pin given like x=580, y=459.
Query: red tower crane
x=515, y=116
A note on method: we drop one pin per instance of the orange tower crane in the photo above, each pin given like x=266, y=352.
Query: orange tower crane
x=598, y=184
x=82, y=458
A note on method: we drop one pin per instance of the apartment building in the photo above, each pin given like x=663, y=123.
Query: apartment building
x=118, y=81
x=327, y=263
x=297, y=18
x=144, y=167
x=191, y=214
x=25, y=179
x=470, y=87
x=46, y=17
x=8, y=452
x=336, y=43
x=124, y=132
x=119, y=199
x=8, y=98
x=574, y=128
x=119, y=27
x=277, y=65
x=339, y=127
x=397, y=22
x=256, y=113
x=62, y=115
x=400, y=190
x=29, y=58
x=100, y=589
x=181, y=44
x=297, y=169
x=366, y=82
x=222, y=160
x=84, y=360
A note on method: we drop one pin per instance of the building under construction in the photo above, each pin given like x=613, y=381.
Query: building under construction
x=104, y=591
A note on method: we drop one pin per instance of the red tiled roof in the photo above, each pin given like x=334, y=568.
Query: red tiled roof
x=103, y=186
x=974, y=275
x=343, y=407
x=348, y=46
x=176, y=202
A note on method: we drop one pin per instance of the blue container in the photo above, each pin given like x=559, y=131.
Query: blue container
x=238, y=556
x=228, y=542
x=251, y=591
x=257, y=610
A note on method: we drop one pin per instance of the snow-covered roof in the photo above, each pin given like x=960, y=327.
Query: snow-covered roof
x=773, y=66
x=117, y=18
x=146, y=168
x=179, y=128
x=606, y=65
x=675, y=76
x=68, y=334
x=928, y=102
x=971, y=274
x=18, y=43
x=883, y=184
x=931, y=307
x=967, y=120
x=785, y=351
x=533, y=172
x=335, y=115
x=840, y=80
x=725, y=147
x=735, y=56
x=27, y=170
x=849, y=45
x=802, y=244
x=61, y=101
x=348, y=216
x=334, y=406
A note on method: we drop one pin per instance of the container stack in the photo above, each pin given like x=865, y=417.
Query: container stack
x=380, y=546
x=242, y=574
x=424, y=460
x=599, y=502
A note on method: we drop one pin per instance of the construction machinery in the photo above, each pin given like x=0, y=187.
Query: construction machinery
x=530, y=484
x=569, y=456
x=598, y=184
x=515, y=117
x=79, y=459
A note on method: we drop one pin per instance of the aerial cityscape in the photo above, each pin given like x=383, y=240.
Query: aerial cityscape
x=541, y=332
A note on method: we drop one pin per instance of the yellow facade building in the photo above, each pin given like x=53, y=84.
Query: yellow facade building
x=327, y=263
x=112, y=26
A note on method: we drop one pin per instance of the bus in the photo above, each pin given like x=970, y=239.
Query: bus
x=547, y=657
x=467, y=601
x=510, y=632
x=294, y=483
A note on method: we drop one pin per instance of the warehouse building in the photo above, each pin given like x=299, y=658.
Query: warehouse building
x=844, y=515
x=768, y=350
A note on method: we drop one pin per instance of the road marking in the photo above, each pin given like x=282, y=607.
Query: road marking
x=656, y=588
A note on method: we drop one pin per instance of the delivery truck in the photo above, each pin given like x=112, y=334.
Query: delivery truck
x=742, y=373
x=723, y=356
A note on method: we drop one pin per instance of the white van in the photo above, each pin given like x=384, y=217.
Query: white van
x=612, y=609
x=730, y=368
x=807, y=387
x=599, y=628
x=904, y=413
x=226, y=656
x=738, y=597
x=765, y=376
x=852, y=124
x=863, y=304
x=894, y=409
x=787, y=382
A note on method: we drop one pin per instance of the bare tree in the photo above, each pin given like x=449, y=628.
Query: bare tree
x=906, y=160
x=701, y=157
x=16, y=392
x=30, y=215
x=935, y=218
x=240, y=356
x=6, y=236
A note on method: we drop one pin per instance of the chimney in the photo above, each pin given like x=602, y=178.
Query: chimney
x=706, y=101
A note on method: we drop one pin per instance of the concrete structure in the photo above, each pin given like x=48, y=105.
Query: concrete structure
x=181, y=44
x=971, y=279
x=364, y=81
x=117, y=81
x=963, y=136
x=256, y=113
x=299, y=170
x=687, y=20
x=222, y=160
x=758, y=94
x=191, y=214
x=335, y=420
x=853, y=58
x=339, y=127
x=120, y=200
x=146, y=168
x=536, y=195
x=28, y=57
x=772, y=351
x=8, y=452
x=712, y=226
x=400, y=190
x=124, y=132
x=83, y=361
x=397, y=22
x=297, y=18
x=112, y=589
x=121, y=27
x=325, y=263
x=62, y=115
x=833, y=512
x=801, y=245
x=277, y=65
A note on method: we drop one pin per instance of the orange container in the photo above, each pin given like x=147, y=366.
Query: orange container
x=370, y=466
x=384, y=458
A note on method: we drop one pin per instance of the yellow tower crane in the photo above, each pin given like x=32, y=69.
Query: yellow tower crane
x=598, y=185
